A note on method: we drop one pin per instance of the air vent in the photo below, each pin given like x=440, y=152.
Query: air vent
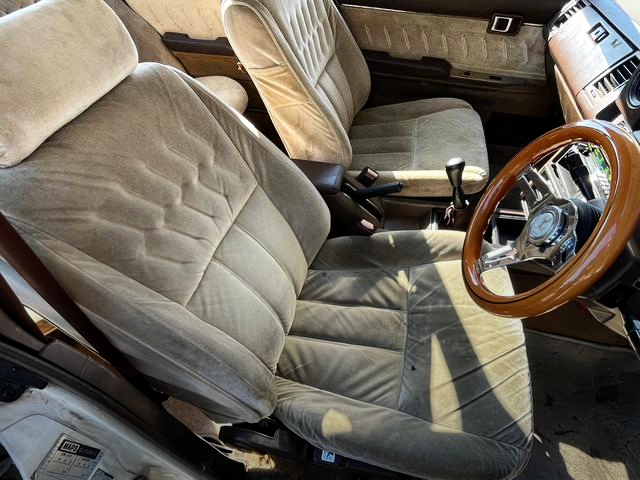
x=616, y=78
x=568, y=13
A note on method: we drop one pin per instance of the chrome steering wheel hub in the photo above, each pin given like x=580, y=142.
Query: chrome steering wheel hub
x=547, y=225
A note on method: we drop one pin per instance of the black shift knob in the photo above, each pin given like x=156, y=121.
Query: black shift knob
x=454, y=168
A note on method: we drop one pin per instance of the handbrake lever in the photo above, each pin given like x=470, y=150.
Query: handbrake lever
x=377, y=191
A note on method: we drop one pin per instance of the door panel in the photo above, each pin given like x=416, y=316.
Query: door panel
x=443, y=48
x=533, y=11
x=463, y=42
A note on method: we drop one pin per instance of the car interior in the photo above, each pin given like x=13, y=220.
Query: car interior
x=324, y=239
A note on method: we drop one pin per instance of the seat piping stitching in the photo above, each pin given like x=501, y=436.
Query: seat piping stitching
x=286, y=271
x=345, y=344
x=261, y=298
x=320, y=302
x=222, y=238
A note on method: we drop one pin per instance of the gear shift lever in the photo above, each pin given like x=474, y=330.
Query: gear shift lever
x=454, y=168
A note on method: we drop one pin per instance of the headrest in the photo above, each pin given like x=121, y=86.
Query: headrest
x=58, y=57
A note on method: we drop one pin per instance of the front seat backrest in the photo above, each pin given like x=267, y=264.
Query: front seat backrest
x=170, y=220
x=308, y=69
x=200, y=19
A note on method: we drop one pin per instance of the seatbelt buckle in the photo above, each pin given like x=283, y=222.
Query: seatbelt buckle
x=363, y=228
x=367, y=176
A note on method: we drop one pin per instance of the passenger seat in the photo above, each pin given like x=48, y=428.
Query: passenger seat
x=314, y=81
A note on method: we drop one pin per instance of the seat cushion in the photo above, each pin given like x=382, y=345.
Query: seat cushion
x=390, y=362
x=229, y=91
x=411, y=143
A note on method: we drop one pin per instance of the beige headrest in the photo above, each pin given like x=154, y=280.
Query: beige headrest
x=58, y=57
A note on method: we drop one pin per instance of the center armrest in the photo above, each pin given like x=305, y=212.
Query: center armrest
x=326, y=177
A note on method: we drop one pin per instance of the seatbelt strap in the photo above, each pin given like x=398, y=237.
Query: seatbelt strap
x=24, y=261
x=24, y=330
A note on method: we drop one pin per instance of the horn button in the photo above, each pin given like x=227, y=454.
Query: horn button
x=547, y=226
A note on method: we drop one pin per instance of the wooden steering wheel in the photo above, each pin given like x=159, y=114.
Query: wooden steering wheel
x=550, y=229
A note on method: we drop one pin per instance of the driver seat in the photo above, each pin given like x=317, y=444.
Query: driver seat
x=202, y=253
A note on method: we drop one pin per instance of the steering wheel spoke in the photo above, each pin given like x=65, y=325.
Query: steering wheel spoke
x=535, y=189
x=502, y=256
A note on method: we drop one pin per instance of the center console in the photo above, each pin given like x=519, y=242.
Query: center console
x=362, y=206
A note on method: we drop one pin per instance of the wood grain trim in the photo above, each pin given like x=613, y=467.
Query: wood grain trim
x=614, y=230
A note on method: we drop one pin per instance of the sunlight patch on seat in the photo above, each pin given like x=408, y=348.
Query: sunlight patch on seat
x=582, y=465
x=335, y=423
x=392, y=241
x=252, y=128
x=405, y=283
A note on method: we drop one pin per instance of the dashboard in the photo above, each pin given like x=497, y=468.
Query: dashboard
x=595, y=47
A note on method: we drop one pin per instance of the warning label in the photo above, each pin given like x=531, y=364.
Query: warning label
x=82, y=450
x=69, y=460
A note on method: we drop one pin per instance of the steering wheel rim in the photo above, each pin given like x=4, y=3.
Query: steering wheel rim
x=611, y=235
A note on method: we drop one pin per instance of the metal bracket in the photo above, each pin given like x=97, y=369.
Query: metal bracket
x=505, y=24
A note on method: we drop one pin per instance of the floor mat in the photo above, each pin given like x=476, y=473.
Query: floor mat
x=586, y=411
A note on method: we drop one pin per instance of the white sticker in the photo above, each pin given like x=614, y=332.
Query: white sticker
x=328, y=457
x=69, y=460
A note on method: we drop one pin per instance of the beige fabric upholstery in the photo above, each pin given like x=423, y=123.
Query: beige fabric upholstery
x=178, y=218
x=314, y=81
x=229, y=91
x=151, y=49
x=411, y=143
x=200, y=19
x=97, y=53
x=187, y=238
x=308, y=70
x=389, y=361
x=148, y=42
x=463, y=42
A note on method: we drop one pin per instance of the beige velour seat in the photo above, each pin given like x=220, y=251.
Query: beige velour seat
x=314, y=81
x=149, y=44
x=201, y=251
x=229, y=90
